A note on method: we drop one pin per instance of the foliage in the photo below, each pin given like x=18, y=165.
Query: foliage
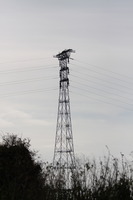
x=108, y=179
x=22, y=177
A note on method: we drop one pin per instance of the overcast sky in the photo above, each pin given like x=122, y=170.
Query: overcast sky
x=101, y=72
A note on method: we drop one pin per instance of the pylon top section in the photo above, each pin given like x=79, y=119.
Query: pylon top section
x=64, y=54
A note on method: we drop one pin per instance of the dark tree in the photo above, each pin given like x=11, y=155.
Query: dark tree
x=20, y=175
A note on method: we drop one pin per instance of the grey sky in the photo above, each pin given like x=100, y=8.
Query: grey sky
x=101, y=33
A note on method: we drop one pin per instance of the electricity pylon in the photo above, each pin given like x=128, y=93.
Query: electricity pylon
x=64, y=158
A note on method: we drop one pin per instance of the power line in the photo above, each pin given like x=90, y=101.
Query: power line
x=104, y=69
x=27, y=69
x=105, y=91
x=106, y=86
x=24, y=60
x=106, y=75
x=27, y=80
x=101, y=95
x=11, y=94
x=99, y=100
x=116, y=84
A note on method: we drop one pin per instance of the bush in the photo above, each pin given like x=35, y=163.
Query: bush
x=22, y=177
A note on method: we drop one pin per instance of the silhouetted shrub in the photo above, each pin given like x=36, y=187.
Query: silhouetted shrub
x=22, y=177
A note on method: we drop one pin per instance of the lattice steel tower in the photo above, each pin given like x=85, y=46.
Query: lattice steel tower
x=64, y=159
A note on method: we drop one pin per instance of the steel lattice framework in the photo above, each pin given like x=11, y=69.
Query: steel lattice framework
x=64, y=158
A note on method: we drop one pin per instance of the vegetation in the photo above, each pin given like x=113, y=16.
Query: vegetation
x=20, y=175
x=23, y=177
